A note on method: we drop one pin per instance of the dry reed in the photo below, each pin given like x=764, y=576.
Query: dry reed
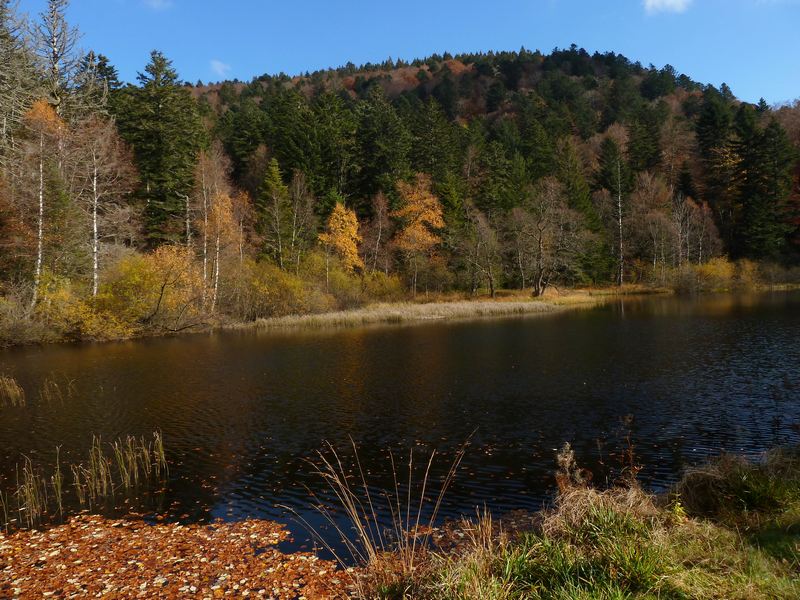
x=11, y=394
x=126, y=466
x=390, y=556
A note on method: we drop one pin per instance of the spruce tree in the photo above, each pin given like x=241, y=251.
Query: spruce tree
x=160, y=120
x=767, y=161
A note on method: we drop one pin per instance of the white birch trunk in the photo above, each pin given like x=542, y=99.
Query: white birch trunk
x=216, y=274
x=95, y=237
x=37, y=277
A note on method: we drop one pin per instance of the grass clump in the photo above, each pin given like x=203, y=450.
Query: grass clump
x=729, y=529
x=11, y=394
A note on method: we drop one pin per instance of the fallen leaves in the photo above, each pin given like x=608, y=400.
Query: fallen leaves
x=91, y=556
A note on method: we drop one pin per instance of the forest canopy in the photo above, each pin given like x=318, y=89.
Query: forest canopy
x=160, y=205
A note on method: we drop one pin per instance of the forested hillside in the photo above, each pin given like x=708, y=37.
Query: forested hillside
x=161, y=206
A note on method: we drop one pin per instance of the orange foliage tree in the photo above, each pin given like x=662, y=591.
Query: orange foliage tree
x=341, y=236
x=421, y=218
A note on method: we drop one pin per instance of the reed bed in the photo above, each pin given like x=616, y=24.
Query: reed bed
x=122, y=467
x=408, y=313
x=11, y=394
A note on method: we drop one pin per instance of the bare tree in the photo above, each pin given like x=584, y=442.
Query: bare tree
x=485, y=253
x=548, y=234
x=376, y=234
x=303, y=220
x=102, y=178
x=212, y=177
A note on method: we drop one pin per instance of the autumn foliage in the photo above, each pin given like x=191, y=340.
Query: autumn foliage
x=341, y=237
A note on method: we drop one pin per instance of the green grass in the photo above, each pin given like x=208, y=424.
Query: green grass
x=729, y=530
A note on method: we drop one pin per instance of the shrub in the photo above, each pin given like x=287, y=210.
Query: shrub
x=716, y=274
x=17, y=326
x=64, y=311
x=263, y=290
x=345, y=287
x=747, y=275
x=379, y=286
x=162, y=290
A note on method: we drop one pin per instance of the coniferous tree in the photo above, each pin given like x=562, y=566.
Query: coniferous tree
x=160, y=121
x=384, y=144
x=767, y=159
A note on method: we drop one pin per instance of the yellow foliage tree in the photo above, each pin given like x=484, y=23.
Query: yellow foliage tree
x=421, y=217
x=341, y=236
x=222, y=229
x=160, y=291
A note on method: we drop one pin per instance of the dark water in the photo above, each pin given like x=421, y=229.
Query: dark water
x=242, y=412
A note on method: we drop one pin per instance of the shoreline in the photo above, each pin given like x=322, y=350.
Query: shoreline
x=508, y=303
x=728, y=525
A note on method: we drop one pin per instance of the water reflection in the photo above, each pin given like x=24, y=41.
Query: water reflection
x=242, y=412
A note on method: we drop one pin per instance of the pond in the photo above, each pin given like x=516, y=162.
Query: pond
x=242, y=412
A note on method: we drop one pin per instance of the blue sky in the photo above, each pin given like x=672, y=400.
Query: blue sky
x=753, y=45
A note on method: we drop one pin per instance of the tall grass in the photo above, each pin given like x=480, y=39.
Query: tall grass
x=11, y=394
x=54, y=392
x=390, y=554
x=407, y=312
x=31, y=493
x=121, y=468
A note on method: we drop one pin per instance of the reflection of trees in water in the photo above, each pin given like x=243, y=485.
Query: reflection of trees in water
x=241, y=413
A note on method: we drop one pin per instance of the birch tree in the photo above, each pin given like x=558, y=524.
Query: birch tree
x=211, y=179
x=44, y=130
x=222, y=230
x=104, y=177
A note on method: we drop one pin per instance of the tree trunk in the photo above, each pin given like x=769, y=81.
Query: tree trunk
x=216, y=275
x=188, y=222
x=521, y=266
x=37, y=277
x=621, y=258
x=327, y=271
x=377, y=242
x=205, y=231
x=276, y=211
x=414, y=281
x=95, y=237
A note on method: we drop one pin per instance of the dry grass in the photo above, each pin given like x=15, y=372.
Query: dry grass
x=119, y=468
x=731, y=488
x=392, y=558
x=407, y=313
x=11, y=394
x=623, y=542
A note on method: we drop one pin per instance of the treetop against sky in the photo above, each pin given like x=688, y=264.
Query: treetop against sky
x=749, y=44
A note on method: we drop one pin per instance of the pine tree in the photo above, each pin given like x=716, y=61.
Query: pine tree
x=644, y=146
x=18, y=79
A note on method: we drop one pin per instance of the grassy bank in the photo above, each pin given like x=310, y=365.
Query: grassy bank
x=728, y=530
x=507, y=303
